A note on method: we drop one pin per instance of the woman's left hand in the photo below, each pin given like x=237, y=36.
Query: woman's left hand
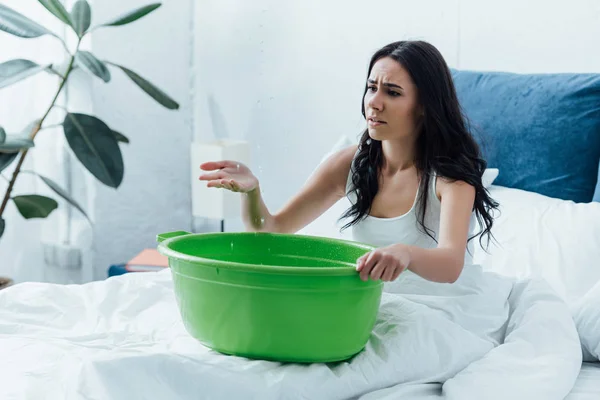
x=385, y=263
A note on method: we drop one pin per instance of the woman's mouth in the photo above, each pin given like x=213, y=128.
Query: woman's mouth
x=375, y=122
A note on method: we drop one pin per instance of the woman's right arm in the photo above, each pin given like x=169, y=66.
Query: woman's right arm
x=322, y=190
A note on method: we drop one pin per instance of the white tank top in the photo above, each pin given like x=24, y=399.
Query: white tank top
x=405, y=228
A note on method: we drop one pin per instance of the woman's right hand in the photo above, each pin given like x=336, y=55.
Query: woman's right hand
x=230, y=175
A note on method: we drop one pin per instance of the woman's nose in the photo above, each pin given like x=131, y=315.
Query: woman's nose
x=375, y=102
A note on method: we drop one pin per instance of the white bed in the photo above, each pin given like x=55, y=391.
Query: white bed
x=123, y=338
x=587, y=386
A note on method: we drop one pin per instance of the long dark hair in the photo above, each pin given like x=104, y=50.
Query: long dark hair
x=444, y=145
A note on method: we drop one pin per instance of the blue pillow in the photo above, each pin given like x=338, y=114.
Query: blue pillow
x=542, y=131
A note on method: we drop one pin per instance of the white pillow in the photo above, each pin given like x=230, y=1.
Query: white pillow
x=489, y=176
x=586, y=314
x=327, y=224
x=540, y=236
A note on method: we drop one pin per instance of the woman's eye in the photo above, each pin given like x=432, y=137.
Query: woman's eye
x=372, y=88
x=393, y=94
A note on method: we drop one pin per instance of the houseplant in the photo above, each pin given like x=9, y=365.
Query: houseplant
x=93, y=142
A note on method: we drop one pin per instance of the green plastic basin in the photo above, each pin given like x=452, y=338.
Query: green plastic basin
x=281, y=297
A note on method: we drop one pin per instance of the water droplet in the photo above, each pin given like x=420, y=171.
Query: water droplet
x=262, y=221
x=231, y=246
x=238, y=166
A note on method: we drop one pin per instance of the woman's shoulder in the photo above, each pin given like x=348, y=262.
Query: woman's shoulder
x=334, y=170
x=342, y=159
x=450, y=188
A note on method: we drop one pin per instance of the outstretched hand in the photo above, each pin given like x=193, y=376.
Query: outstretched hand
x=230, y=175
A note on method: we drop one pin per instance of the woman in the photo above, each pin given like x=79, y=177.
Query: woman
x=414, y=180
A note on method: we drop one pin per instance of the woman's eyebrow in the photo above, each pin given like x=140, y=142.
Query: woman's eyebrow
x=371, y=81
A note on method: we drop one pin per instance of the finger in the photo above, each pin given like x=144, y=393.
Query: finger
x=212, y=165
x=234, y=186
x=371, y=259
x=368, y=265
x=388, y=274
x=397, y=273
x=360, y=261
x=214, y=184
x=213, y=176
x=378, y=270
x=225, y=184
x=361, y=265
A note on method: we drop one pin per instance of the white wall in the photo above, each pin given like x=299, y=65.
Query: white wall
x=529, y=36
x=288, y=77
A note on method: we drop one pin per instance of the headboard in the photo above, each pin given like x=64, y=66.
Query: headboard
x=542, y=131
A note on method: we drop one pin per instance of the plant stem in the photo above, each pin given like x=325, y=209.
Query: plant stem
x=50, y=126
x=35, y=131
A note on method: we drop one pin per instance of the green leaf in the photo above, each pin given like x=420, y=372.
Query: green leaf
x=161, y=97
x=2, y=135
x=2, y=226
x=15, y=143
x=19, y=25
x=49, y=69
x=133, y=15
x=12, y=144
x=16, y=70
x=59, y=11
x=96, y=147
x=91, y=64
x=62, y=193
x=120, y=137
x=30, y=128
x=6, y=159
x=35, y=206
x=81, y=16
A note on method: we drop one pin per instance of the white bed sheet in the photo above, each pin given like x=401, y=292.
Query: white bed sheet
x=587, y=386
x=123, y=338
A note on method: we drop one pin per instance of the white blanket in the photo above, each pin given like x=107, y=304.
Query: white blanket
x=123, y=339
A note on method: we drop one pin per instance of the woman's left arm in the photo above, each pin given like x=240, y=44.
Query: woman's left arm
x=441, y=264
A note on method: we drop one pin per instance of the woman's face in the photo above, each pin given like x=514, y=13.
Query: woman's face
x=391, y=102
